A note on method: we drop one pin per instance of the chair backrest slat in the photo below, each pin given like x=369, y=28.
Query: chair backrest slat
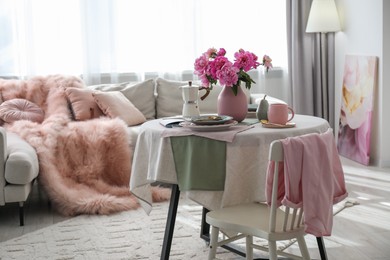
x=274, y=207
x=285, y=222
x=292, y=218
x=300, y=218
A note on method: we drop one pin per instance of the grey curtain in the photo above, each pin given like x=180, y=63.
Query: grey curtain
x=304, y=65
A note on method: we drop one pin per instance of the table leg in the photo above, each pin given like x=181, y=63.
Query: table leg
x=170, y=225
x=204, y=226
x=321, y=247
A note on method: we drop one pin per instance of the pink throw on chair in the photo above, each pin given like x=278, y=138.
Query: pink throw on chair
x=311, y=177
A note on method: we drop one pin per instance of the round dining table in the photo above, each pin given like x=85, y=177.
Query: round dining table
x=246, y=161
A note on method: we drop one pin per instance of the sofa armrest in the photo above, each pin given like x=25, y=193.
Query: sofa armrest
x=3, y=147
x=3, y=157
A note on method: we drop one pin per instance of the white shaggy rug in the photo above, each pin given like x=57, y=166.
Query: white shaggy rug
x=127, y=235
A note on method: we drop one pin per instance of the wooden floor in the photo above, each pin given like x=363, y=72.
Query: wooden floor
x=359, y=232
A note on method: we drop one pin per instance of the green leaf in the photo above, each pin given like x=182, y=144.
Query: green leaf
x=211, y=80
x=248, y=85
x=243, y=76
x=234, y=89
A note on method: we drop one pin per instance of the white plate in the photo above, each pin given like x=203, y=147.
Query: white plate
x=204, y=128
x=211, y=119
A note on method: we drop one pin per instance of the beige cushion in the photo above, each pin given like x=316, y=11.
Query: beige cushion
x=20, y=109
x=83, y=104
x=140, y=94
x=170, y=102
x=115, y=104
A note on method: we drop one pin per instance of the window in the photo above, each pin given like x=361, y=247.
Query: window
x=122, y=36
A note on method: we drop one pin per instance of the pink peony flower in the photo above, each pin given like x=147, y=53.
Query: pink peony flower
x=212, y=66
x=221, y=52
x=267, y=62
x=205, y=81
x=211, y=53
x=245, y=60
x=200, y=65
x=227, y=75
x=217, y=65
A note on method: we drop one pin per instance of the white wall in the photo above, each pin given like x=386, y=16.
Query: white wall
x=364, y=33
x=385, y=93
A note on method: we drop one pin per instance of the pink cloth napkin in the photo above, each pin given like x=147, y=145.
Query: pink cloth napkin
x=225, y=135
x=311, y=177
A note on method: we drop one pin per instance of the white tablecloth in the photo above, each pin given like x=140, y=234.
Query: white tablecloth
x=246, y=162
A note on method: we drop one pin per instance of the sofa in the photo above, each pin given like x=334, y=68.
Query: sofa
x=16, y=156
x=146, y=100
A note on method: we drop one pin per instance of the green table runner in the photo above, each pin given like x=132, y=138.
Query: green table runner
x=200, y=162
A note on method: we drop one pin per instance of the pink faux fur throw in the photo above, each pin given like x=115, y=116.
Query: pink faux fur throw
x=84, y=165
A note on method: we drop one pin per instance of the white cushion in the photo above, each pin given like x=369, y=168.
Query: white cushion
x=115, y=104
x=140, y=94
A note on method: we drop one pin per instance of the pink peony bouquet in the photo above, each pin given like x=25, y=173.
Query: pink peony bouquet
x=213, y=66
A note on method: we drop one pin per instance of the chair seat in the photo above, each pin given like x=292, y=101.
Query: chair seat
x=245, y=218
x=275, y=222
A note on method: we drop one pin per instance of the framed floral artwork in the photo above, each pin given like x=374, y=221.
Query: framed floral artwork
x=354, y=134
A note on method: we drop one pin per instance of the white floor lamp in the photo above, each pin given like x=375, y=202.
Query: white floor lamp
x=323, y=18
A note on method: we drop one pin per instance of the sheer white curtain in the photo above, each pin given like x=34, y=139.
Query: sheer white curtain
x=113, y=40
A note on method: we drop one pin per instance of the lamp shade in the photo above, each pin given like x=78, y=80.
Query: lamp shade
x=323, y=17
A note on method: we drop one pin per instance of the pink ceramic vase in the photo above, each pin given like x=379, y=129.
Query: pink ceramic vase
x=231, y=105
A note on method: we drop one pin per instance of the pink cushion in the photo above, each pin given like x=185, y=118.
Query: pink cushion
x=21, y=109
x=83, y=104
x=115, y=104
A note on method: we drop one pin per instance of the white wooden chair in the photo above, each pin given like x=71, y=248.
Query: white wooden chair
x=272, y=223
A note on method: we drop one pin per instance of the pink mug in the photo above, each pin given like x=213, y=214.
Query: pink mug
x=278, y=113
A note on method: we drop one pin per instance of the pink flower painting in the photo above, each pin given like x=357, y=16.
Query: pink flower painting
x=356, y=108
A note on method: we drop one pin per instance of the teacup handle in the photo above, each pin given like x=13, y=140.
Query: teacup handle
x=292, y=114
